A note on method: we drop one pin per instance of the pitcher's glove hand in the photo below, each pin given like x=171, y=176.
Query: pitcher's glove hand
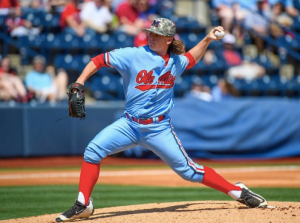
x=76, y=100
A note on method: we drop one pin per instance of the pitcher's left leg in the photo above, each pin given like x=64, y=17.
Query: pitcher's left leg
x=169, y=148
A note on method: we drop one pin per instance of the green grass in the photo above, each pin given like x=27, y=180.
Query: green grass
x=25, y=201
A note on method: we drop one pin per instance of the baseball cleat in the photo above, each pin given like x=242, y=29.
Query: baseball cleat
x=251, y=199
x=76, y=212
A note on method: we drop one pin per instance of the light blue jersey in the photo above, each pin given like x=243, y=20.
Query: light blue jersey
x=148, y=83
x=148, y=86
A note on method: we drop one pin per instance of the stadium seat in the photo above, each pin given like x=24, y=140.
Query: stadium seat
x=243, y=86
x=267, y=64
x=296, y=4
x=191, y=39
x=36, y=17
x=274, y=87
x=257, y=88
x=296, y=23
x=182, y=85
x=288, y=42
x=2, y=23
x=50, y=23
x=73, y=43
x=104, y=86
x=165, y=8
x=188, y=24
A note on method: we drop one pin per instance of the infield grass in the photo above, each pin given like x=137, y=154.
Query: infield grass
x=25, y=201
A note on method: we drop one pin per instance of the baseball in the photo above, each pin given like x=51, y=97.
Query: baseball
x=219, y=35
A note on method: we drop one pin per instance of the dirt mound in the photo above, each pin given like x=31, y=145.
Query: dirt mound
x=192, y=212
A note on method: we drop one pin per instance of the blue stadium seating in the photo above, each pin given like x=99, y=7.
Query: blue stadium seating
x=106, y=86
x=289, y=42
x=50, y=23
x=2, y=23
x=72, y=53
x=191, y=39
x=188, y=24
x=297, y=4
x=267, y=64
x=182, y=85
x=35, y=17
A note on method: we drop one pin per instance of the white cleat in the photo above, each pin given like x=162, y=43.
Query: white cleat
x=76, y=212
x=252, y=200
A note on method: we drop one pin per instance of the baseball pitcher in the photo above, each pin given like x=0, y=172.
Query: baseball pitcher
x=149, y=74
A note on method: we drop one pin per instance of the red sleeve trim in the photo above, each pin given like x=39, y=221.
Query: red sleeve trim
x=99, y=61
x=106, y=60
x=191, y=60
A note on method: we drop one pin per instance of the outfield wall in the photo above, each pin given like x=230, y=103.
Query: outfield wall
x=240, y=128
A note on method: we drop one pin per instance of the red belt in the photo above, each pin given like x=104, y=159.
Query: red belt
x=145, y=121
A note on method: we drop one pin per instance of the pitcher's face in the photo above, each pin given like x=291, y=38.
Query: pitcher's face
x=158, y=43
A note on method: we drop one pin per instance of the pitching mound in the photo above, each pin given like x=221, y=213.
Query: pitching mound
x=187, y=212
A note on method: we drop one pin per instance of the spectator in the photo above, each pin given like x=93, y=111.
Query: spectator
x=239, y=67
x=200, y=91
x=57, y=6
x=247, y=70
x=70, y=19
x=96, y=15
x=43, y=82
x=17, y=27
x=224, y=91
x=133, y=15
x=8, y=5
x=230, y=10
x=258, y=21
x=6, y=67
x=11, y=86
x=146, y=12
x=42, y=5
x=288, y=6
x=209, y=57
x=141, y=39
x=280, y=20
x=225, y=13
x=231, y=56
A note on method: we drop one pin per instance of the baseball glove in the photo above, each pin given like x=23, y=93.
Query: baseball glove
x=76, y=94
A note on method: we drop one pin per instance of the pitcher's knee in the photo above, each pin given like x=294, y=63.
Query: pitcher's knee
x=93, y=155
x=191, y=176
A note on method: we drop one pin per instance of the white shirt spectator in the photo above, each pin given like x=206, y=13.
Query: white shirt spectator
x=99, y=16
x=202, y=95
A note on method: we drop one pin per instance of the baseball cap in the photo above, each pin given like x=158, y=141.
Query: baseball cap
x=163, y=27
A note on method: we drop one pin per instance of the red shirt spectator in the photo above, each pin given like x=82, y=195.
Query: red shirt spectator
x=126, y=10
x=70, y=10
x=9, y=3
x=232, y=58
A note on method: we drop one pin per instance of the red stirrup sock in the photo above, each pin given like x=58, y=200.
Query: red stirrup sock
x=88, y=178
x=215, y=181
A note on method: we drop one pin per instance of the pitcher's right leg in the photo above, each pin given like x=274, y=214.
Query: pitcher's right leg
x=114, y=138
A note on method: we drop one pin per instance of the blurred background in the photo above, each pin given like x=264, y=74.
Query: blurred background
x=241, y=101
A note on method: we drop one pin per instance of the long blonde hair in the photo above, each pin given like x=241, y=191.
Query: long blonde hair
x=177, y=47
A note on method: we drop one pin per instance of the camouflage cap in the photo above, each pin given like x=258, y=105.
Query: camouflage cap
x=162, y=26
